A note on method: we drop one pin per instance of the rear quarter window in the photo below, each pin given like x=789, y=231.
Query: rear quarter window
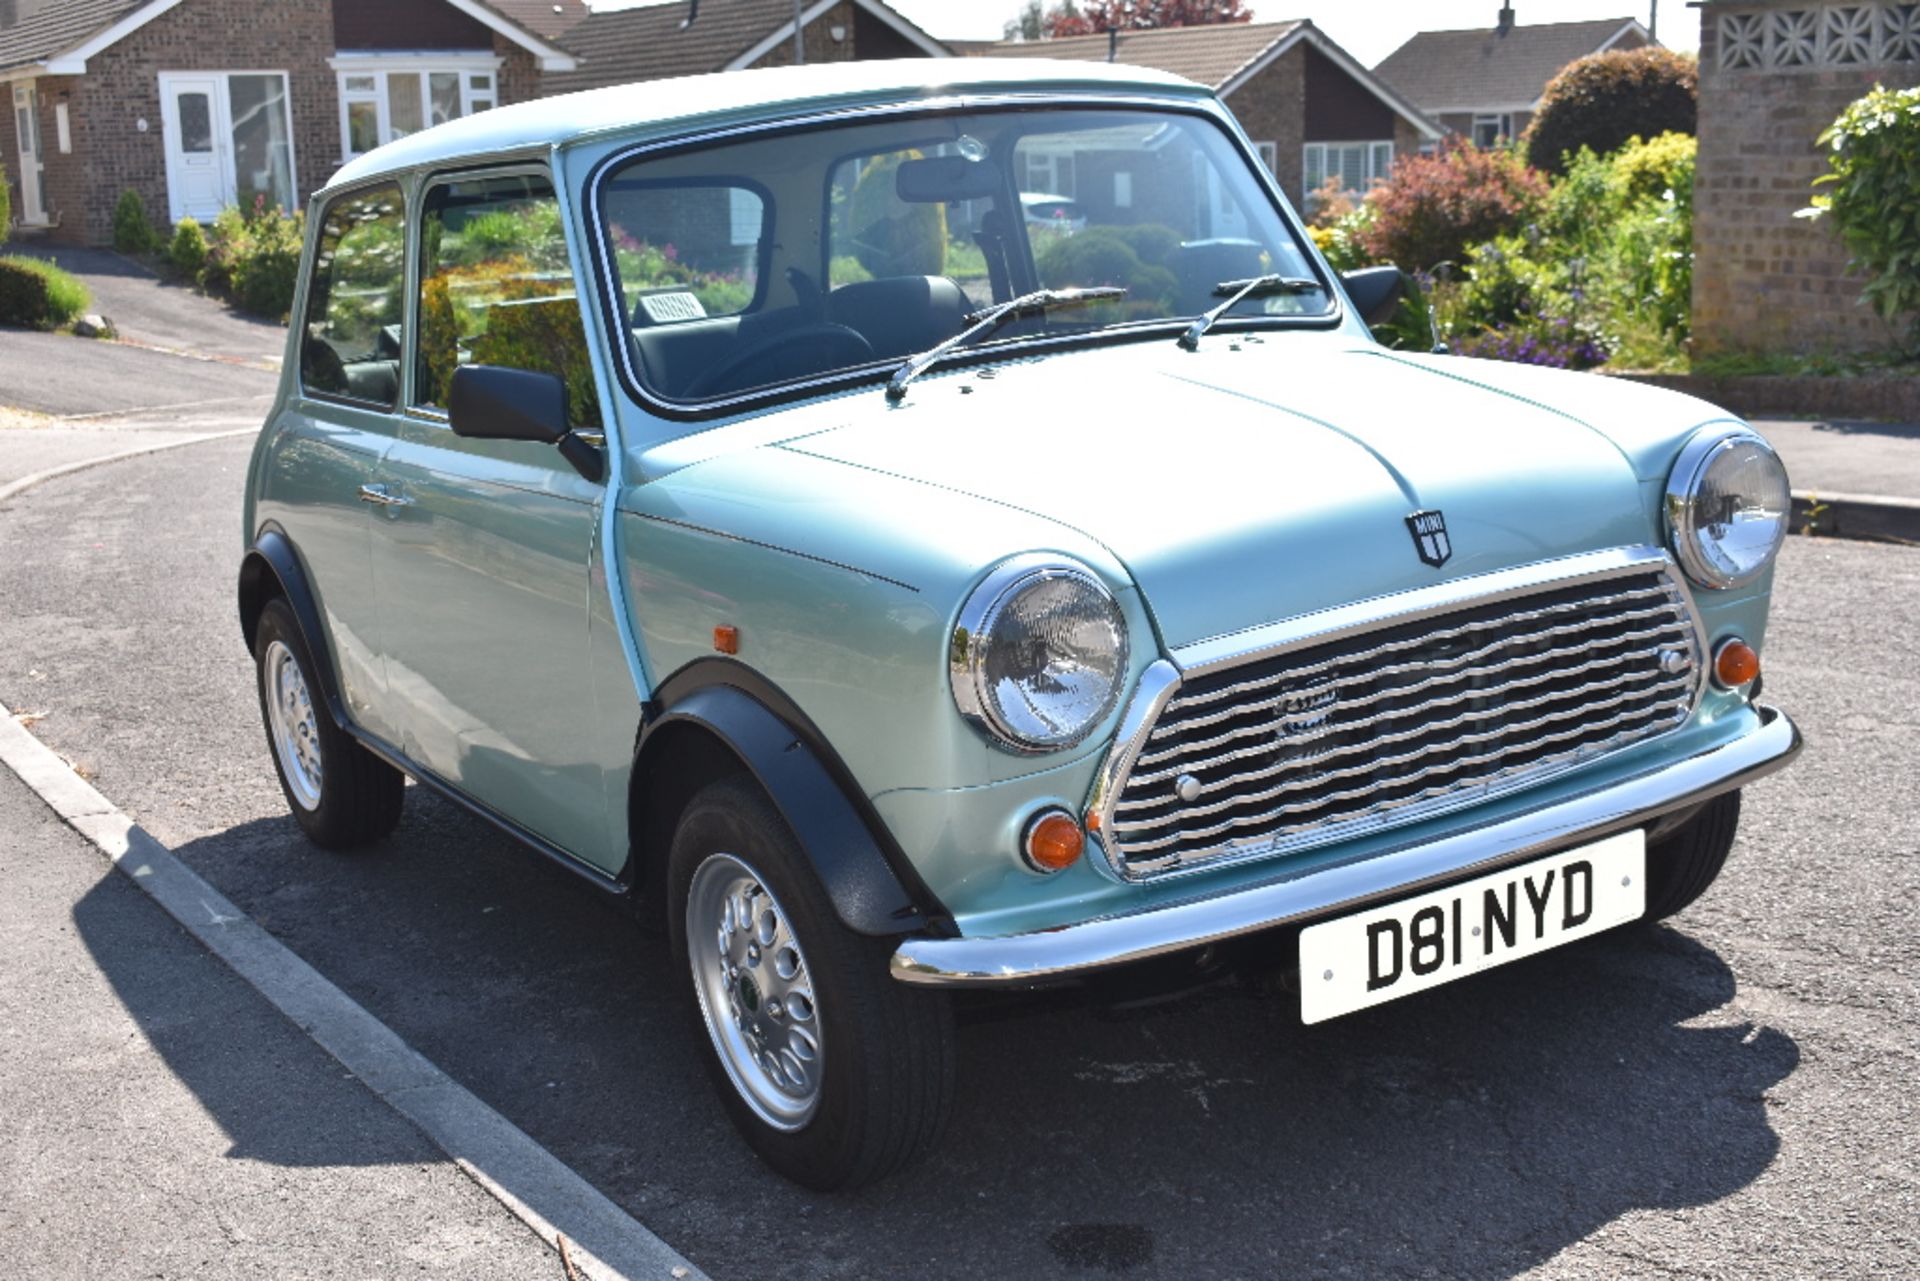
x=351, y=343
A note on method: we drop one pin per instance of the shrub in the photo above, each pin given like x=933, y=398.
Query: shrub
x=1106, y=256
x=132, y=233
x=188, y=252
x=1600, y=101
x=1556, y=342
x=1873, y=197
x=1434, y=207
x=1344, y=243
x=38, y=294
x=254, y=259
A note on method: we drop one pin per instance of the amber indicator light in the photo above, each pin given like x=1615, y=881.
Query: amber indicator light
x=1054, y=841
x=1735, y=664
x=726, y=639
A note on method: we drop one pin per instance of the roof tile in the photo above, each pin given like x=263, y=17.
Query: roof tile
x=1456, y=70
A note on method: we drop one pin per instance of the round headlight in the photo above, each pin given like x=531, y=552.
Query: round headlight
x=1728, y=507
x=1039, y=654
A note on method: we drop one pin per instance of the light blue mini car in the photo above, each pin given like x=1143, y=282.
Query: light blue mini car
x=724, y=488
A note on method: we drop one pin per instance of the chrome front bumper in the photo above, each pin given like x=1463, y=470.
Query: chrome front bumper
x=1016, y=960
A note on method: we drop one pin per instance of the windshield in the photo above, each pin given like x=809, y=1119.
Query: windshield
x=748, y=265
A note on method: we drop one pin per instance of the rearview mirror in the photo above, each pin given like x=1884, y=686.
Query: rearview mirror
x=489, y=402
x=942, y=178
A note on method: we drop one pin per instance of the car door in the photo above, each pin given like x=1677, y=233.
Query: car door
x=330, y=435
x=482, y=549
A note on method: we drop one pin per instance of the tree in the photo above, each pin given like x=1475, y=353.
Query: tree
x=1604, y=99
x=1142, y=15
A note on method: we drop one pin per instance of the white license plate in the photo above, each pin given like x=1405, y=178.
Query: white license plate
x=1418, y=943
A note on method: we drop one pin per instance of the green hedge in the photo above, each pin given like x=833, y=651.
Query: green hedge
x=38, y=294
x=6, y=204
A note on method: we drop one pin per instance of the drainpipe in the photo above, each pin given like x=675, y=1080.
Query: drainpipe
x=1113, y=43
x=799, y=37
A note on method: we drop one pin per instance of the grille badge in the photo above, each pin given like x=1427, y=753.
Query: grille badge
x=1429, y=530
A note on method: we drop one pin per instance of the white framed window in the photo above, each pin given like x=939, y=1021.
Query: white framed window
x=388, y=96
x=1492, y=130
x=1358, y=165
x=1269, y=153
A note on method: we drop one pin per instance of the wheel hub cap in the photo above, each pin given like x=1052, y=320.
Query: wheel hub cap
x=755, y=991
x=292, y=724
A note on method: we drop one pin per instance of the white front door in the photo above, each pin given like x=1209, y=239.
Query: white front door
x=229, y=140
x=26, y=122
x=192, y=117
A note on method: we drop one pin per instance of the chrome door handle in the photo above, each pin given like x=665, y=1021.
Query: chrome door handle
x=380, y=494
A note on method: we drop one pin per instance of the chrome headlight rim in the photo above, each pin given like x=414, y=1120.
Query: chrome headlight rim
x=1683, y=489
x=973, y=640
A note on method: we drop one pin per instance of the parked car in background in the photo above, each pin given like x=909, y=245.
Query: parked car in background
x=1055, y=213
x=718, y=487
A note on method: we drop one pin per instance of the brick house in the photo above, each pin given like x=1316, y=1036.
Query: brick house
x=621, y=46
x=200, y=104
x=1485, y=84
x=1311, y=110
x=1772, y=77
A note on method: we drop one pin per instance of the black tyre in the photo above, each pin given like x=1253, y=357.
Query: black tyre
x=341, y=794
x=835, y=1073
x=1683, y=864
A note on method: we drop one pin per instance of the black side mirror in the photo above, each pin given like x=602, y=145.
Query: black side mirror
x=493, y=403
x=1376, y=291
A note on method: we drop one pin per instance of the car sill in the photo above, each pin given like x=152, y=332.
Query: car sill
x=1022, y=960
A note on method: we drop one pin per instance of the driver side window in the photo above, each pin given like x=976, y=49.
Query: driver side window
x=497, y=288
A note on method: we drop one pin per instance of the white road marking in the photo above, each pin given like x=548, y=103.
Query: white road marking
x=28, y=482
x=604, y=1241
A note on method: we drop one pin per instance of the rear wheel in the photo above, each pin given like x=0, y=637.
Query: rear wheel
x=833, y=1072
x=1682, y=865
x=341, y=794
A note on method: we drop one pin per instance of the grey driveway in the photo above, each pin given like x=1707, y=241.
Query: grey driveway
x=155, y=313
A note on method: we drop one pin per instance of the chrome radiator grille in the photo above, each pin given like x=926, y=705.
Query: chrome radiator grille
x=1387, y=724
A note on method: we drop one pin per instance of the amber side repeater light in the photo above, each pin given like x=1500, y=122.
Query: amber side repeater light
x=1053, y=841
x=1735, y=664
x=726, y=639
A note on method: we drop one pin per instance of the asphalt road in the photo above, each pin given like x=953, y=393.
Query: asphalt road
x=60, y=374
x=163, y=1120
x=1730, y=1096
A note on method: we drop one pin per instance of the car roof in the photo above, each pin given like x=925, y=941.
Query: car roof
x=672, y=105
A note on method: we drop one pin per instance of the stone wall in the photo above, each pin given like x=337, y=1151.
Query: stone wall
x=1773, y=74
x=1272, y=107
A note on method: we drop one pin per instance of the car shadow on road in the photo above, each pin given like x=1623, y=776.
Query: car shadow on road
x=1474, y=1131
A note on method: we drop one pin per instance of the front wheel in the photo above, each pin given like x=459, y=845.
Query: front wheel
x=1682, y=865
x=341, y=794
x=833, y=1072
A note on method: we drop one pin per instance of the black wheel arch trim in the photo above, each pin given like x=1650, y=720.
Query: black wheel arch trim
x=273, y=553
x=874, y=888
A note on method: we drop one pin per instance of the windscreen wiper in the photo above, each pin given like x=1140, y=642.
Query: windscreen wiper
x=1237, y=291
x=981, y=323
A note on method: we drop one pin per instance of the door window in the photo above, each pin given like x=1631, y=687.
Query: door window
x=497, y=289
x=353, y=340
x=196, y=123
x=262, y=141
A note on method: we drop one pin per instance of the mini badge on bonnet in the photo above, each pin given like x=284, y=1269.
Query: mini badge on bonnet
x=1429, y=531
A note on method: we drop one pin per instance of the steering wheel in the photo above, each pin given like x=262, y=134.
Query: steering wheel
x=787, y=353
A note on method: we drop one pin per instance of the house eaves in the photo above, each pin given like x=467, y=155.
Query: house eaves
x=72, y=60
x=1341, y=58
x=784, y=32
